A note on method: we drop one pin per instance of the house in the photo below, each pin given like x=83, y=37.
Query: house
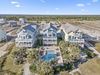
x=3, y=21
x=72, y=34
x=2, y=35
x=27, y=35
x=49, y=33
x=58, y=30
x=13, y=23
x=22, y=21
x=53, y=22
x=43, y=23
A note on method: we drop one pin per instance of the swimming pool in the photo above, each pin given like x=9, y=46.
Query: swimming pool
x=49, y=55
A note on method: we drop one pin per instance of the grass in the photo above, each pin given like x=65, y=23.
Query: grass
x=64, y=73
x=2, y=43
x=91, y=67
x=97, y=47
x=8, y=65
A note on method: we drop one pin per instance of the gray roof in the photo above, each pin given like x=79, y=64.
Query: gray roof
x=68, y=28
x=2, y=33
x=31, y=27
x=50, y=25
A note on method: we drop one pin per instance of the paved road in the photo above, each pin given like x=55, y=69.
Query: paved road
x=90, y=46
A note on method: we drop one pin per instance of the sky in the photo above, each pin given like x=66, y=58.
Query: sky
x=50, y=7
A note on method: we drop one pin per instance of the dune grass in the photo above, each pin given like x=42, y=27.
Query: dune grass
x=8, y=65
x=2, y=43
x=76, y=73
x=91, y=67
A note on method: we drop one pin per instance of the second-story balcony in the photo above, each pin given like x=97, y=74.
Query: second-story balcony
x=49, y=38
x=76, y=40
x=23, y=40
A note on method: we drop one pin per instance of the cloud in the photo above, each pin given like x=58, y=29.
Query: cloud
x=88, y=3
x=17, y=5
x=13, y=2
x=42, y=1
x=56, y=8
x=80, y=5
x=94, y=0
x=83, y=10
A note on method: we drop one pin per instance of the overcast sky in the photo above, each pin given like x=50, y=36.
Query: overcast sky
x=50, y=7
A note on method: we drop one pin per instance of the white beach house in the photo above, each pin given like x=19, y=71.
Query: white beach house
x=22, y=21
x=27, y=35
x=72, y=34
x=49, y=33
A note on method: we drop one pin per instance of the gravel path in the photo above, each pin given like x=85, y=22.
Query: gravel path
x=26, y=70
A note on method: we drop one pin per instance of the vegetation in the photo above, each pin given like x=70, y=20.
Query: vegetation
x=38, y=43
x=48, y=67
x=97, y=47
x=48, y=18
x=64, y=73
x=8, y=65
x=76, y=73
x=89, y=53
x=7, y=73
x=19, y=56
x=58, y=40
x=69, y=51
x=65, y=67
x=91, y=67
x=32, y=55
x=2, y=43
x=41, y=67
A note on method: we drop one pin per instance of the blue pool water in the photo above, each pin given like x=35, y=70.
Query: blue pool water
x=49, y=55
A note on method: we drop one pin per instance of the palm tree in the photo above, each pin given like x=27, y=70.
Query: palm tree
x=40, y=38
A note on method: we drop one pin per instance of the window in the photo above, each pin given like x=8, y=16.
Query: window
x=29, y=37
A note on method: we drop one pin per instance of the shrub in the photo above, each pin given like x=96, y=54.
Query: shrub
x=90, y=54
x=32, y=68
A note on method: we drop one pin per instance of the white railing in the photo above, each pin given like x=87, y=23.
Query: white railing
x=47, y=42
x=24, y=45
x=23, y=40
x=52, y=38
x=77, y=40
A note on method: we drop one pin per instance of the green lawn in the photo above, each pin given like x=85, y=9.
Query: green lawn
x=8, y=65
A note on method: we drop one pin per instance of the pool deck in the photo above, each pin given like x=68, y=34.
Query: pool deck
x=56, y=50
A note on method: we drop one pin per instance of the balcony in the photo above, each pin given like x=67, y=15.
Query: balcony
x=77, y=40
x=23, y=45
x=23, y=40
x=49, y=42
